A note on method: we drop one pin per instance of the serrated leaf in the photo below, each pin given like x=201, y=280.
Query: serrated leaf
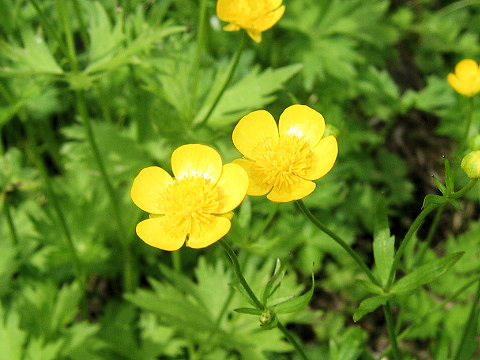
x=34, y=57
x=368, y=305
x=383, y=243
x=252, y=92
x=295, y=303
x=12, y=337
x=248, y=311
x=425, y=274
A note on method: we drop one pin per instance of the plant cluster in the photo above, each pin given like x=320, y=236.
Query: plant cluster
x=347, y=230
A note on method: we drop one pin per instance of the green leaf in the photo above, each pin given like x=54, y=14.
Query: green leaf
x=274, y=281
x=368, y=305
x=455, y=204
x=449, y=177
x=432, y=199
x=383, y=243
x=249, y=311
x=34, y=57
x=425, y=274
x=440, y=186
x=12, y=337
x=252, y=92
x=369, y=286
x=293, y=304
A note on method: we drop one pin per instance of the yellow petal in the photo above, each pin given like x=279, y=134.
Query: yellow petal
x=297, y=190
x=324, y=156
x=227, y=9
x=205, y=233
x=269, y=19
x=466, y=69
x=461, y=87
x=253, y=129
x=148, y=187
x=195, y=160
x=232, y=187
x=159, y=232
x=256, y=185
x=303, y=122
x=231, y=27
x=255, y=35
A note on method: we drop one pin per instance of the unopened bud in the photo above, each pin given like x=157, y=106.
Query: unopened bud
x=471, y=164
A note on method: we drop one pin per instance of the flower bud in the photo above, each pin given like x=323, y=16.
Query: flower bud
x=471, y=164
x=475, y=142
x=268, y=320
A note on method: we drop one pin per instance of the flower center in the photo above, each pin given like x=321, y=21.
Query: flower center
x=281, y=160
x=192, y=198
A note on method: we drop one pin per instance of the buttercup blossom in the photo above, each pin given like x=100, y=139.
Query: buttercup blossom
x=466, y=79
x=195, y=206
x=255, y=16
x=282, y=161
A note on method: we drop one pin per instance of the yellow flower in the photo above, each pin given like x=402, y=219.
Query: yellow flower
x=466, y=79
x=255, y=16
x=282, y=161
x=192, y=208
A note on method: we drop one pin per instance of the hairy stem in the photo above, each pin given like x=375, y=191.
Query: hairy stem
x=338, y=240
x=391, y=331
x=228, y=78
x=238, y=272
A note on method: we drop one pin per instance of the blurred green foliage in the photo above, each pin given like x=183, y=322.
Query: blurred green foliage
x=368, y=67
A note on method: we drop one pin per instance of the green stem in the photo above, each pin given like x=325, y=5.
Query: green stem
x=292, y=340
x=470, y=326
x=439, y=306
x=465, y=189
x=48, y=27
x=464, y=143
x=81, y=23
x=230, y=72
x=431, y=233
x=72, y=56
x=198, y=55
x=338, y=240
x=238, y=272
x=129, y=281
x=391, y=331
x=8, y=216
x=416, y=225
x=176, y=261
x=413, y=229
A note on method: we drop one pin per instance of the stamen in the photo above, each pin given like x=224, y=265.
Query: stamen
x=281, y=161
x=188, y=199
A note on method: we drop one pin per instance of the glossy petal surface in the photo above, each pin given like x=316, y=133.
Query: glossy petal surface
x=159, y=232
x=303, y=122
x=253, y=130
x=324, y=156
x=195, y=160
x=205, y=233
x=232, y=187
x=148, y=189
x=294, y=191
